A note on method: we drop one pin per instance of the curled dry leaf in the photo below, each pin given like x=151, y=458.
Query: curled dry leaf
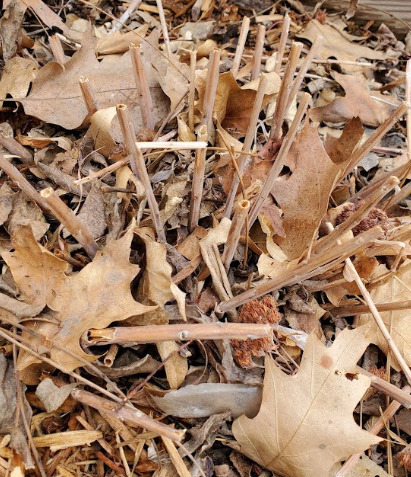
x=10, y=28
x=92, y=298
x=338, y=44
x=397, y=288
x=320, y=397
x=372, y=107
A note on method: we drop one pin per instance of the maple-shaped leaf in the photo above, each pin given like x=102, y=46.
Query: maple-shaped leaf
x=92, y=298
x=306, y=424
x=372, y=107
x=398, y=288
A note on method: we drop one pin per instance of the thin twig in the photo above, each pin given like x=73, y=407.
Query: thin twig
x=258, y=52
x=125, y=16
x=279, y=161
x=164, y=27
x=283, y=41
x=139, y=168
x=251, y=132
x=143, y=89
x=360, y=309
x=178, y=332
x=375, y=313
x=67, y=217
x=245, y=26
x=198, y=180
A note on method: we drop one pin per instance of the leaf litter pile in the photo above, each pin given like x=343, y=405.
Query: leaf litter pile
x=205, y=241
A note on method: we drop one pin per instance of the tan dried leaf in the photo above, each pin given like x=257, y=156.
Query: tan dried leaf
x=93, y=298
x=17, y=75
x=338, y=44
x=56, y=97
x=398, y=288
x=313, y=176
x=305, y=424
x=372, y=107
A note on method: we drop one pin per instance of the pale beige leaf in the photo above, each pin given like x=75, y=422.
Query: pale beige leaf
x=305, y=424
x=16, y=77
x=176, y=366
x=398, y=288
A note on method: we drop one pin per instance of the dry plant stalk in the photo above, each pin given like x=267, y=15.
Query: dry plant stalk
x=258, y=52
x=237, y=225
x=211, y=88
x=375, y=313
x=110, y=356
x=198, y=179
x=284, y=93
x=374, y=138
x=279, y=161
x=125, y=16
x=87, y=93
x=303, y=271
x=64, y=440
x=360, y=309
x=303, y=70
x=143, y=90
x=176, y=458
x=57, y=49
x=15, y=148
x=375, y=429
x=251, y=131
x=67, y=217
x=126, y=413
x=138, y=167
x=245, y=27
x=24, y=185
x=177, y=145
x=283, y=42
x=178, y=332
x=192, y=90
x=164, y=28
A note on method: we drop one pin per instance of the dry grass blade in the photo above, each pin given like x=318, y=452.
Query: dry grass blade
x=245, y=26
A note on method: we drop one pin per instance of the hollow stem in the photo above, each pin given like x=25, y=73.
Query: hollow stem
x=66, y=217
x=191, y=91
x=211, y=88
x=143, y=89
x=57, y=49
x=258, y=52
x=88, y=96
x=279, y=161
x=245, y=27
x=178, y=332
x=164, y=27
x=126, y=413
x=15, y=148
x=138, y=167
x=198, y=180
x=304, y=271
x=283, y=41
x=284, y=93
x=251, y=132
x=237, y=225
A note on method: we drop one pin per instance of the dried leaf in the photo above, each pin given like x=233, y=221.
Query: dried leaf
x=53, y=396
x=312, y=179
x=373, y=108
x=338, y=44
x=321, y=397
x=10, y=28
x=101, y=290
x=56, y=97
x=46, y=14
x=398, y=288
x=17, y=75
x=26, y=212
